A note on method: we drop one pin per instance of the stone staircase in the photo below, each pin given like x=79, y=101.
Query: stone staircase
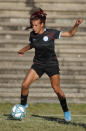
x=71, y=52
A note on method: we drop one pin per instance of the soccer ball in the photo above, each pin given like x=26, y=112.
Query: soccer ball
x=18, y=112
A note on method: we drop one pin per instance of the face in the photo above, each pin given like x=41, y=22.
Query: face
x=38, y=27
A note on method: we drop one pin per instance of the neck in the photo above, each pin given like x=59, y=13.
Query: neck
x=41, y=31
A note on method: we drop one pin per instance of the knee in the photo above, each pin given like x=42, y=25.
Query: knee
x=56, y=89
x=24, y=85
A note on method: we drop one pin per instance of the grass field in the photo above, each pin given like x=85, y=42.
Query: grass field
x=44, y=117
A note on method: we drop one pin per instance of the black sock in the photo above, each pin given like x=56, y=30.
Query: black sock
x=23, y=99
x=63, y=104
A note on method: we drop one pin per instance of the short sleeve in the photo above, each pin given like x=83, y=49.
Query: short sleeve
x=57, y=34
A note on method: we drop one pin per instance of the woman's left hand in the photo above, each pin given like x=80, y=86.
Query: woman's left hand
x=79, y=21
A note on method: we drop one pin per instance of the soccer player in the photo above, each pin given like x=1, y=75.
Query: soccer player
x=45, y=61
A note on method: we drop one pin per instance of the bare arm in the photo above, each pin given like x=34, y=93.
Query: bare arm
x=74, y=29
x=21, y=52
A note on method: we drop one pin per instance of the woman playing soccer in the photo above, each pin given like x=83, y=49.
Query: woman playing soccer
x=45, y=61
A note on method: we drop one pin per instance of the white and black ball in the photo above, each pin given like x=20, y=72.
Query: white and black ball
x=18, y=112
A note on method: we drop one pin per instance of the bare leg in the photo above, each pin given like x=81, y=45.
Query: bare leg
x=55, y=82
x=29, y=79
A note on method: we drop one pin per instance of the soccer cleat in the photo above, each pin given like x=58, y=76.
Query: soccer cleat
x=67, y=116
x=25, y=106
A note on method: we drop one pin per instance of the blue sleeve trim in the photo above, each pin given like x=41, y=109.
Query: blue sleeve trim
x=59, y=35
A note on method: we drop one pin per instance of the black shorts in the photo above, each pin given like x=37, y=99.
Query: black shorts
x=50, y=68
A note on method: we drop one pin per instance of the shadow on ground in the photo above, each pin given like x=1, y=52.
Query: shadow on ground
x=61, y=121
x=49, y=118
x=9, y=117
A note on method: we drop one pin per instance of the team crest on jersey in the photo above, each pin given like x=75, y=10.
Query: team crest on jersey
x=45, y=38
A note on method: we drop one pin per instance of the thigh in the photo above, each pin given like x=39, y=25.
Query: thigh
x=30, y=77
x=55, y=81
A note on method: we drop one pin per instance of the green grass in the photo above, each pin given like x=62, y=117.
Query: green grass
x=44, y=117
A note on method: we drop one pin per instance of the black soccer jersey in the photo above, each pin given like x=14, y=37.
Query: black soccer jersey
x=44, y=45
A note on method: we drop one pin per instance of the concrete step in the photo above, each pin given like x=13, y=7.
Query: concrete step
x=70, y=43
x=80, y=98
x=26, y=67
x=26, y=15
x=15, y=44
x=45, y=1
x=42, y=95
x=12, y=91
x=42, y=86
x=10, y=37
x=45, y=95
x=69, y=79
x=43, y=100
x=39, y=89
x=71, y=53
x=16, y=27
x=18, y=17
x=64, y=62
x=17, y=37
x=64, y=80
x=26, y=33
x=27, y=60
x=55, y=100
x=53, y=23
x=23, y=69
x=58, y=45
x=21, y=26
x=59, y=52
x=57, y=6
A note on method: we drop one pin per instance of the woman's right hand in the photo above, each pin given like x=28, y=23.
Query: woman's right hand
x=20, y=53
